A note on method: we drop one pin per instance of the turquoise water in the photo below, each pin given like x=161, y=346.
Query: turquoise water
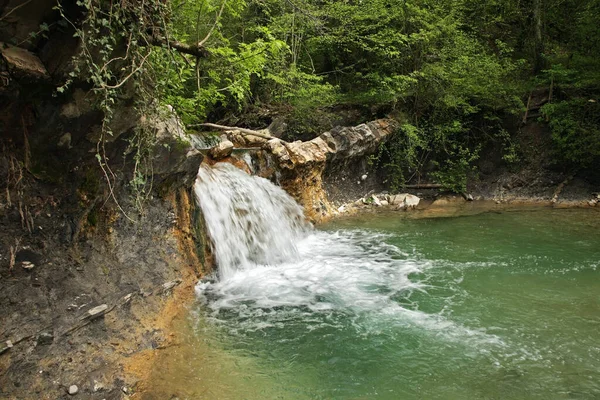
x=500, y=305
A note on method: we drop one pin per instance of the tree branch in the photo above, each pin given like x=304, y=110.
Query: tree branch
x=194, y=50
x=212, y=28
x=234, y=128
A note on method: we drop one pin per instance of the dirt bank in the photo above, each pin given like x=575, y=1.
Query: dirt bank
x=138, y=275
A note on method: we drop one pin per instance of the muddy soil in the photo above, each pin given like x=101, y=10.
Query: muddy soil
x=59, y=260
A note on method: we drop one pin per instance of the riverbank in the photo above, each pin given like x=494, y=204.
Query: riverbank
x=83, y=320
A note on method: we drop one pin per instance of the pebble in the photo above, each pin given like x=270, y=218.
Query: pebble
x=45, y=338
x=27, y=264
x=73, y=389
x=98, y=386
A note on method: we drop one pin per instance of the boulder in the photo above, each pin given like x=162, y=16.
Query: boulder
x=404, y=200
x=222, y=150
x=411, y=201
x=397, y=199
x=175, y=160
x=23, y=63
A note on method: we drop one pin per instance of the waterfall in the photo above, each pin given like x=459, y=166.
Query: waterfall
x=274, y=267
x=250, y=221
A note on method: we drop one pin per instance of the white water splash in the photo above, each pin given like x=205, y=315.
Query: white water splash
x=250, y=221
x=274, y=266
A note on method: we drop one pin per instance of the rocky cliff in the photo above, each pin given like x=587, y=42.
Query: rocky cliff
x=98, y=244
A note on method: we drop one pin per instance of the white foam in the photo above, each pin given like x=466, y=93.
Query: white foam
x=273, y=268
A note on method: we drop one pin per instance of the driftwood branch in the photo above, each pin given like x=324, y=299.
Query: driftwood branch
x=560, y=187
x=195, y=50
x=233, y=128
x=424, y=186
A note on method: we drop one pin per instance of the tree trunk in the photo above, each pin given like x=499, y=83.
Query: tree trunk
x=539, y=61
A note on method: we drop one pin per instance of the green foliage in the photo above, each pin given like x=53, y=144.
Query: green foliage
x=403, y=156
x=575, y=128
x=455, y=70
x=454, y=171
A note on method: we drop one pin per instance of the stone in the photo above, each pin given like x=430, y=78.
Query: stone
x=28, y=265
x=375, y=201
x=45, y=338
x=299, y=166
x=385, y=203
x=277, y=127
x=175, y=160
x=170, y=285
x=364, y=177
x=469, y=197
x=411, y=201
x=65, y=141
x=80, y=105
x=95, y=312
x=73, y=389
x=397, y=199
x=98, y=386
x=23, y=64
x=221, y=150
x=404, y=200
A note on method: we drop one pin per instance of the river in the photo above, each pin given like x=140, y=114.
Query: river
x=497, y=305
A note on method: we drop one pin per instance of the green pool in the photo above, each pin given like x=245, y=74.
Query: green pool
x=498, y=305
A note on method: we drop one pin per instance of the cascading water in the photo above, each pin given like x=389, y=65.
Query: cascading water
x=387, y=306
x=269, y=258
x=250, y=221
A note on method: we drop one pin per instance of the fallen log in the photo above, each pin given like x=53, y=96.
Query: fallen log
x=424, y=186
x=234, y=128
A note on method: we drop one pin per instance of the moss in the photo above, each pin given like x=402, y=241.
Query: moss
x=92, y=217
x=90, y=184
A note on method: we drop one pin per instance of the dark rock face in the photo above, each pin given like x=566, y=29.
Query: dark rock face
x=85, y=273
x=175, y=161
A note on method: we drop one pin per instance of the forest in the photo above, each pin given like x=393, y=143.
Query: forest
x=299, y=199
x=458, y=75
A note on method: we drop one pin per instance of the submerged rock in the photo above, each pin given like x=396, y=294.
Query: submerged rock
x=73, y=389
